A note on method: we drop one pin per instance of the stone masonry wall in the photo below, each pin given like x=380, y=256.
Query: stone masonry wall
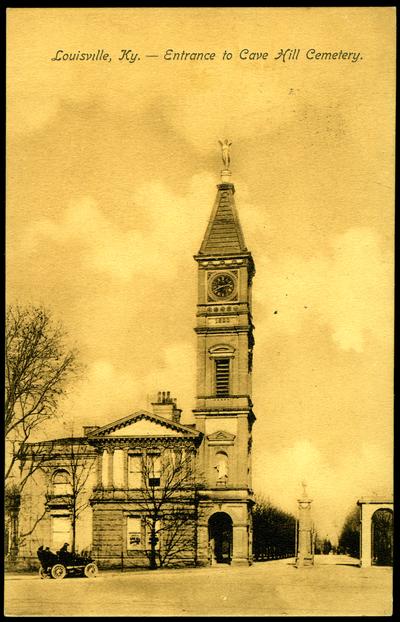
x=108, y=534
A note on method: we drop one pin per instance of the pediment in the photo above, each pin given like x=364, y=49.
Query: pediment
x=145, y=427
x=144, y=424
x=221, y=437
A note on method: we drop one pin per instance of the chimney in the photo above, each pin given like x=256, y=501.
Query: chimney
x=88, y=429
x=166, y=407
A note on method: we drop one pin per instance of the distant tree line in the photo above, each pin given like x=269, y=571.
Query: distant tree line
x=273, y=531
x=323, y=546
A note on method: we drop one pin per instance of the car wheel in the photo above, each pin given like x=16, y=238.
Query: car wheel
x=91, y=570
x=58, y=571
x=42, y=573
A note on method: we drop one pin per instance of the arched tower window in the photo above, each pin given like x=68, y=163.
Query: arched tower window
x=222, y=355
x=61, y=482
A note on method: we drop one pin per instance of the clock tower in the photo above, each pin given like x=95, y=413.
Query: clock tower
x=224, y=409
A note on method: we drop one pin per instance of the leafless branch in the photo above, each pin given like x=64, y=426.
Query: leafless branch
x=168, y=498
x=22, y=536
x=38, y=369
x=80, y=463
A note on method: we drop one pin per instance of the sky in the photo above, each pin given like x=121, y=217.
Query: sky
x=111, y=176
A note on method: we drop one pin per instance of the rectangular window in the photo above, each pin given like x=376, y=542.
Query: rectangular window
x=134, y=471
x=61, y=531
x=134, y=533
x=154, y=470
x=222, y=376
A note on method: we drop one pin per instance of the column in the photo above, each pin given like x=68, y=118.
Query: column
x=99, y=469
x=111, y=468
x=365, y=553
x=125, y=467
x=105, y=469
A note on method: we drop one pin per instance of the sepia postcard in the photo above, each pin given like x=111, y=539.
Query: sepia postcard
x=199, y=324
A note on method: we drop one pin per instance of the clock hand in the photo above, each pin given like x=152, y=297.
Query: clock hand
x=220, y=287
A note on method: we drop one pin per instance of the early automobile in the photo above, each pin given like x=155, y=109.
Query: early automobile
x=58, y=566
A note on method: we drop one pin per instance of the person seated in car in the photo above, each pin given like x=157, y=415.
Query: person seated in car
x=46, y=557
x=41, y=555
x=64, y=555
x=50, y=557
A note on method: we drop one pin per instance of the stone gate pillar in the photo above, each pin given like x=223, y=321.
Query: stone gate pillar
x=240, y=545
x=365, y=535
x=305, y=555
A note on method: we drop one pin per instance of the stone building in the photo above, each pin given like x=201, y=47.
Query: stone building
x=113, y=520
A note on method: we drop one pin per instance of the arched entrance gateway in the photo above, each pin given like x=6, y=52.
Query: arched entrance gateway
x=382, y=538
x=376, y=531
x=220, y=531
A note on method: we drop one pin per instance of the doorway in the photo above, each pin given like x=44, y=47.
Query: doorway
x=382, y=538
x=220, y=537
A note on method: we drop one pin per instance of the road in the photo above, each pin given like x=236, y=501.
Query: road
x=334, y=586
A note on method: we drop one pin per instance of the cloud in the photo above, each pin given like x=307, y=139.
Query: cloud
x=178, y=356
x=160, y=218
x=109, y=392
x=346, y=289
x=104, y=247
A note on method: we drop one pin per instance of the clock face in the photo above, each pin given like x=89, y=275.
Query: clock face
x=223, y=285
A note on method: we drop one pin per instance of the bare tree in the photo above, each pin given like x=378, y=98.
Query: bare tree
x=169, y=498
x=80, y=464
x=38, y=368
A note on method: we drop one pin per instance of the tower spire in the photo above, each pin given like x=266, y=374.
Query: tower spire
x=224, y=234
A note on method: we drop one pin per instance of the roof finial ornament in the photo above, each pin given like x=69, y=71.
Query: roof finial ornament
x=304, y=484
x=226, y=159
x=225, y=148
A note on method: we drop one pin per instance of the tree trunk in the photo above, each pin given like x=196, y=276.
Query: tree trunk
x=14, y=534
x=153, y=544
x=73, y=530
